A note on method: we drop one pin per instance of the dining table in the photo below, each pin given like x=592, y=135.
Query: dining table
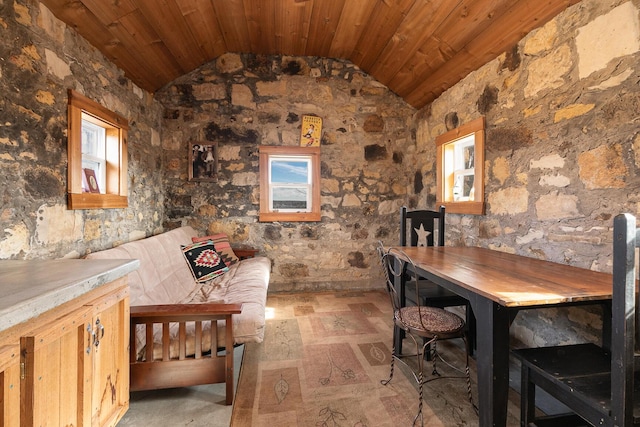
x=498, y=285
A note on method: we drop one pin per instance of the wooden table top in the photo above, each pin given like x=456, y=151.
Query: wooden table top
x=512, y=280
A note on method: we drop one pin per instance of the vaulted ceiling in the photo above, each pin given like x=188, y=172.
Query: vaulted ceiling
x=417, y=48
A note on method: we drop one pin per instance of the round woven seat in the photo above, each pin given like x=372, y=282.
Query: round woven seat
x=429, y=321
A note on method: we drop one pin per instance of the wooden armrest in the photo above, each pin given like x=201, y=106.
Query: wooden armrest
x=244, y=252
x=182, y=312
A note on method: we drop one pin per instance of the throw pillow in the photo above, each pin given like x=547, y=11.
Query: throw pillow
x=223, y=247
x=203, y=260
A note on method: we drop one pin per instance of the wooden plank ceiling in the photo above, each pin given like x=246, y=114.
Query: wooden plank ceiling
x=417, y=48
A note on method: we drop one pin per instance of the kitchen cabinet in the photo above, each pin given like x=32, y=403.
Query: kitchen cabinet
x=68, y=365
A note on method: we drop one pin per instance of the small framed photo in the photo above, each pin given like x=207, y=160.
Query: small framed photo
x=203, y=161
x=89, y=181
x=311, y=131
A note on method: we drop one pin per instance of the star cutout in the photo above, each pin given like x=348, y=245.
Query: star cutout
x=422, y=235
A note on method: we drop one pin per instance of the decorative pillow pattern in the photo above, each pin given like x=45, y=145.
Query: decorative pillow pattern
x=223, y=247
x=203, y=260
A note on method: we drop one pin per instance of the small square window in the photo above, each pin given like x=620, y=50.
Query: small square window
x=460, y=169
x=289, y=183
x=97, y=153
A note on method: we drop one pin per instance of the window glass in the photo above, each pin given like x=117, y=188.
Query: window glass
x=289, y=183
x=463, y=170
x=93, y=151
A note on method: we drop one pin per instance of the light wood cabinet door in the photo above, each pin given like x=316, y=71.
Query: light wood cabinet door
x=55, y=365
x=10, y=385
x=70, y=366
x=110, y=374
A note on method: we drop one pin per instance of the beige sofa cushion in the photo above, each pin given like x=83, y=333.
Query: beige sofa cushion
x=164, y=276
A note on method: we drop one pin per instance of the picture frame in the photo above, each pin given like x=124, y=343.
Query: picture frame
x=89, y=181
x=311, y=131
x=203, y=161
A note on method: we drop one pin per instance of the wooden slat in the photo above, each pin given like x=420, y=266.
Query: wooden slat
x=166, y=19
x=129, y=27
x=214, y=336
x=454, y=31
x=414, y=31
x=166, y=342
x=292, y=22
x=134, y=30
x=382, y=25
x=470, y=18
x=109, y=11
x=233, y=24
x=198, y=335
x=322, y=27
x=148, y=343
x=182, y=339
x=261, y=26
x=350, y=27
x=201, y=19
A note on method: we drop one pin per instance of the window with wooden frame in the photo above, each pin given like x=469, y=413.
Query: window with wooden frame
x=460, y=169
x=289, y=184
x=97, y=155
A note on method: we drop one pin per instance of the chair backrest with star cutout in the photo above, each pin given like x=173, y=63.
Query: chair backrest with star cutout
x=420, y=225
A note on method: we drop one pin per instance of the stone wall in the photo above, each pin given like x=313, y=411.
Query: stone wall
x=40, y=59
x=368, y=147
x=562, y=150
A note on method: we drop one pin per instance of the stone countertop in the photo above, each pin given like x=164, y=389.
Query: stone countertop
x=32, y=287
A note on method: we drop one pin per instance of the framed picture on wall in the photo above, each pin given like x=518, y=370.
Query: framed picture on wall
x=203, y=161
x=311, y=131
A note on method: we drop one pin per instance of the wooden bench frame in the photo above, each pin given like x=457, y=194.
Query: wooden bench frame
x=184, y=371
x=595, y=382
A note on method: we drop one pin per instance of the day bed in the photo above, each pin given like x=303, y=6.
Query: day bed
x=175, y=312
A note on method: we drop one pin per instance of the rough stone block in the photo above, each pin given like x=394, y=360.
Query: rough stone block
x=556, y=206
x=509, y=201
x=607, y=37
x=572, y=111
x=603, y=167
x=548, y=71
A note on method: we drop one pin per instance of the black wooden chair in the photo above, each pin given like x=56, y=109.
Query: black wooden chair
x=600, y=386
x=426, y=323
x=420, y=227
